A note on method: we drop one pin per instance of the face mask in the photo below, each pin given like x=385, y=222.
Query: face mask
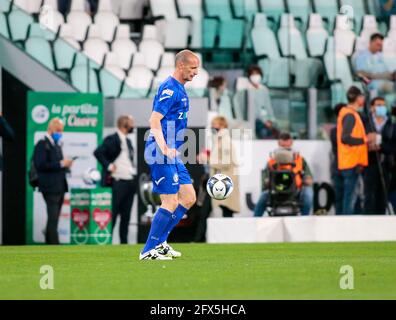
x=130, y=130
x=56, y=136
x=215, y=130
x=381, y=111
x=255, y=78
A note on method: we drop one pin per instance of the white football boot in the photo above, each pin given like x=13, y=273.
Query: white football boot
x=153, y=254
x=166, y=250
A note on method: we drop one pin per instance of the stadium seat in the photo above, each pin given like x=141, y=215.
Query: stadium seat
x=198, y=86
x=131, y=9
x=83, y=76
x=123, y=46
x=5, y=5
x=30, y=6
x=79, y=20
x=173, y=31
x=95, y=47
x=151, y=48
x=273, y=9
x=389, y=53
x=275, y=68
x=3, y=26
x=239, y=103
x=355, y=9
x=50, y=16
x=193, y=9
x=306, y=70
x=231, y=30
x=392, y=28
x=316, y=36
x=38, y=30
x=370, y=26
x=40, y=49
x=111, y=76
x=65, y=49
x=300, y=10
x=107, y=20
x=139, y=80
x=328, y=9
x=344, y=37
x=225, y=107
x=19, y=22
x=78, y=5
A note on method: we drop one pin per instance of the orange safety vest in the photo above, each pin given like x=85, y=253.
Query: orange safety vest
x=351, y=156
x=297, y=169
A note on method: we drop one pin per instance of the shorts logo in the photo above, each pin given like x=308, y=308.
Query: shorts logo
x=176, y=178
x=157, y=182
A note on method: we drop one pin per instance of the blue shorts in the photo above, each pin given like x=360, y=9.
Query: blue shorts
x=167, y=178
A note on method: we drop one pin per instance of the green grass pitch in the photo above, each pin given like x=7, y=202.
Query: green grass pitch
x=206, y=271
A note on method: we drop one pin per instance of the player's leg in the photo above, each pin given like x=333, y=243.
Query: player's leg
x=163, y=184
x=186, y=199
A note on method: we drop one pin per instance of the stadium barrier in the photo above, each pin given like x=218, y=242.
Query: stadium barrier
x=302, y=229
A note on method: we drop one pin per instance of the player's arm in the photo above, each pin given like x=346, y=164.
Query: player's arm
x=156, y=130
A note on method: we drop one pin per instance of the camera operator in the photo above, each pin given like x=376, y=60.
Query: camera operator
x=302, y=175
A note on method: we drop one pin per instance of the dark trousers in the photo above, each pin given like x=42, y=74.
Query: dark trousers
x=123, y=194
x=54, y=203
x=204, y=213
x=374, y=197
x=338, y=183
x=351, y=179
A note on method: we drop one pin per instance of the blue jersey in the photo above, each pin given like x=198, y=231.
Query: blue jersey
x=172, y=102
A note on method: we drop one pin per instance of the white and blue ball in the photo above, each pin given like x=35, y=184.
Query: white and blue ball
x=91, y=176
x=220, y=186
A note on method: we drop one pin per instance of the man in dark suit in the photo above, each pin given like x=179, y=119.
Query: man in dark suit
x=116, y=155
x=6, y=133
x=51, y=170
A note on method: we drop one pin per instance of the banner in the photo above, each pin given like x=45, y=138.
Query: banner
x=82, y=115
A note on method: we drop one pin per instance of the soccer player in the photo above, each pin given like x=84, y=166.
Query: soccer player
x=170, y=177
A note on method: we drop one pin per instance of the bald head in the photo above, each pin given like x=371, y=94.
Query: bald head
x=55, y=125
x=187, y=64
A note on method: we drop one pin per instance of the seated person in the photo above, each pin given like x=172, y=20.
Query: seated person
x=370, y=64
x=303, y=177
x=265, y=129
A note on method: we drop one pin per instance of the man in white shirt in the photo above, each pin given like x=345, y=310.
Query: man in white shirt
x=116, y=155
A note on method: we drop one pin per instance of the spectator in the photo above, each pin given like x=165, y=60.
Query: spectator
x=303, y=176
x=116, y=155
x=352, y=151
x=7, y=133
x=385, y=143
x=51, y=169
x=266, y=129
x=223, y=160
x=219, y=88
x=335, y=173
x=388, y=8
x=371, y=65
x=64, y=6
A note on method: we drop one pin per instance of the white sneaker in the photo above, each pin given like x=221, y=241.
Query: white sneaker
x=166, y=250
x=153, y=255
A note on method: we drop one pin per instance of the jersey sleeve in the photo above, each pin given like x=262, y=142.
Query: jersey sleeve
x=165, y=99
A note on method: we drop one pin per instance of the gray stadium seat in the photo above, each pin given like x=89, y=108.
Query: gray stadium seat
x=30, y=6
x=300, y=9
x=50, y=17
x=131, y=9
x=316, y=36
x=193, y=9
x=344, y=37
x=79, y=20
x=123, y=46
x=151, y=48
x=107, y=20
x=273, y=9
x=139, y=80
x=19, y=22
x=95, y=47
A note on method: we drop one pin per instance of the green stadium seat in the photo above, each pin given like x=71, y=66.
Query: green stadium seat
x=40, y=31
x=328, y=9
x=111, y=76
x=19, y=22
x=231, y=30
x=300, y=9
x=193, y=9
x=246, y=9
x=64, y=54
x=40, y=49
x=79, y=79
x=225, y=106
x=3, y=26
x=273, y=9
x=5, y=5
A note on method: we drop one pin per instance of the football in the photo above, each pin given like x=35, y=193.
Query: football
x=91, y=176
x=219, y=186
